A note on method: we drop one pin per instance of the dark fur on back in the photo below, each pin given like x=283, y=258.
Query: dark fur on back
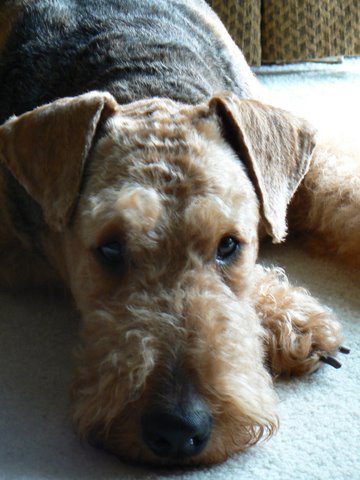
x=133, y=49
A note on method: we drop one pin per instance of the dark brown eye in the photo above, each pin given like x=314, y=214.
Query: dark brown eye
x=111, y=254
x=227, y=250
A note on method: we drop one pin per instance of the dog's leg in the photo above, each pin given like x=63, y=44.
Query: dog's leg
x=300, y=333
x=327, y=204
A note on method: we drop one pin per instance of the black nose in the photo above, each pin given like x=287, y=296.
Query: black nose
x=178, y=434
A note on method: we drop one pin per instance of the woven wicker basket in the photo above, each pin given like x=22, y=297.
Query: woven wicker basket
x=242, y=18
x=294, y=30
x=279, y=31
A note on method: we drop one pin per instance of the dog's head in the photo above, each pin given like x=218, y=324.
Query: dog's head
x=152, y=211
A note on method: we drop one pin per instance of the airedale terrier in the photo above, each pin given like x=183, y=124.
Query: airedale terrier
x=128, y=171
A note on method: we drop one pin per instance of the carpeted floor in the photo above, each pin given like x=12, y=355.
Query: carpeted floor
x=319, y=437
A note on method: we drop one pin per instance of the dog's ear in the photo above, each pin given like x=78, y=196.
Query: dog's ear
x=275, y=148
x=46, y=148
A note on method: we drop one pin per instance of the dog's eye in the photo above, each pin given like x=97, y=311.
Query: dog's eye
x=111, y=254
x=228, y=248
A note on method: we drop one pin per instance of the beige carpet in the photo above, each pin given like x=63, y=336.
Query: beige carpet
x=319, y=437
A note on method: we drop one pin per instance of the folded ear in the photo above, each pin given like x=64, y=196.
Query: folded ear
x=46, y=149
x=275, y=148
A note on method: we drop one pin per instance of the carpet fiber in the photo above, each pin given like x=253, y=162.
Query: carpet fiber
x=319, y=436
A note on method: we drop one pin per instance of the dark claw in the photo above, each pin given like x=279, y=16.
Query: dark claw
x=331, y=361
x=344, y=350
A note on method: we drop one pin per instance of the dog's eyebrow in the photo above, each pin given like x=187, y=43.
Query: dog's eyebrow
x=139, y=206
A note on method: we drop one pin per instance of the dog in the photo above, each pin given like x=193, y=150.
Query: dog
x=140, y=165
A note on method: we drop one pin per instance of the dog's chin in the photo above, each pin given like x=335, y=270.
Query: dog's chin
x=141, y=456
x=130, y=449
x=230, y=435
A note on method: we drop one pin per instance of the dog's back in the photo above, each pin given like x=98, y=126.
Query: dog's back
x=133, y=49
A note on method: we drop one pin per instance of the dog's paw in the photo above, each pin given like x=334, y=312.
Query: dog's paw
x=300, y=333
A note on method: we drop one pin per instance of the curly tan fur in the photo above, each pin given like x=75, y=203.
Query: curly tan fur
x=175, y=305
x=326, y=206
x=154, y=182
x=298, y=330
x=173, y=326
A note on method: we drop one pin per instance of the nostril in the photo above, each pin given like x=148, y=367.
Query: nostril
x=176, y=434
x=94, y=439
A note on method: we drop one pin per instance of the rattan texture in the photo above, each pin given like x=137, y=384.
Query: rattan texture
x=298, y=30
x=282, y=31
x=242, y=18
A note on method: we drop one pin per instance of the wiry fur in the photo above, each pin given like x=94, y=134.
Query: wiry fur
x=298, y=329
x=327, y=204
x=168, y=180
x=173, y=308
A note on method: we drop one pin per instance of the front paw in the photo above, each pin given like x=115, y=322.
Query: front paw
x=303, y=340
x=300, y=333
